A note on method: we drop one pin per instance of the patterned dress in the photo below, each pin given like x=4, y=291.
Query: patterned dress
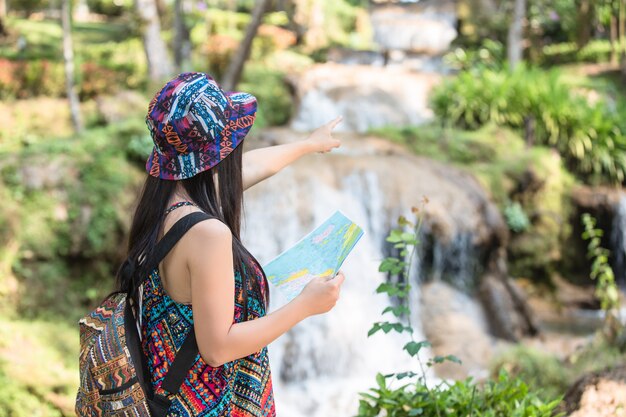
x=240, y=388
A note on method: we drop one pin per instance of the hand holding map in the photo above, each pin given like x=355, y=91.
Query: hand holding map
x=319, y=253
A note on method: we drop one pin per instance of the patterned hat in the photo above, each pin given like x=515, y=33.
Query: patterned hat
x=195, y=124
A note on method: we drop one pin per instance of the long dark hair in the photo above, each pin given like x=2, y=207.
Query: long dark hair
x=150, y=214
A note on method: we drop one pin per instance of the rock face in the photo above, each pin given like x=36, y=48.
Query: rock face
x=455, y=324
x=600, y=394
x=608, y=206
x=427, y=27
x=366, y=96
x=509, y=316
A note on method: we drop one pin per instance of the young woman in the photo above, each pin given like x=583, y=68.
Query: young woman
x=209, y=283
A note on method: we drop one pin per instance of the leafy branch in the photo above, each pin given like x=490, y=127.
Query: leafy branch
x=606, y=288
x=504, y=397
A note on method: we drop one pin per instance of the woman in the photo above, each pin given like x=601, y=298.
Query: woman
x=209, y=283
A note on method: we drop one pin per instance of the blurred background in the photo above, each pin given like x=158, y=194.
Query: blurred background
x=508, y=116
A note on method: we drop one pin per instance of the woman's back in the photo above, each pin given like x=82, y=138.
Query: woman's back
x=242, y=387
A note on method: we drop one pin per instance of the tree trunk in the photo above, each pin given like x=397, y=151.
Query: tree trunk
x=68, y=58
x=621, y=24
x=235, y=67
x=584, y=22
x=3, y=14
x=613, y=36
x=515, y=39
x=159, y=63
x=182, y=44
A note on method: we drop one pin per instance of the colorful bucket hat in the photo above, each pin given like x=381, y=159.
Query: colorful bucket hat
x=194, y=125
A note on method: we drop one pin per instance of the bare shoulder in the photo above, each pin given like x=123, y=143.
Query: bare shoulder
x=211, y=232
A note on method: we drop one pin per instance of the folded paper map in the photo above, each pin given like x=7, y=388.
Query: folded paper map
x=319, y=253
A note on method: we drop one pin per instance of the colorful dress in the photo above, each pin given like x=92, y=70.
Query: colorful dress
x=240, y=388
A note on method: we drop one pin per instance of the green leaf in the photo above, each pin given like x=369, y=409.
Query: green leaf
x=395, y=236
x=413, y=348
x=454, y=359
x=380, y=380
x=375, y=328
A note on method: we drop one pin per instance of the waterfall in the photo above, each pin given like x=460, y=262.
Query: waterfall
x=618, y=242
x=321, y=364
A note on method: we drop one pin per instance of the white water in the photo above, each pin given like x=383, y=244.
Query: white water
x=321, y=365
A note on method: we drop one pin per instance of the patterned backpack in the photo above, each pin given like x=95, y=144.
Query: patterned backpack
x=114, y=376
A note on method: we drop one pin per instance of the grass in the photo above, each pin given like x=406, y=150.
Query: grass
x=44, y=37
x=38, y=368
x=551, y=376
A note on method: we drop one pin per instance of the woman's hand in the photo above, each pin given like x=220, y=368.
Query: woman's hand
x=321, y=138
x=321, y=293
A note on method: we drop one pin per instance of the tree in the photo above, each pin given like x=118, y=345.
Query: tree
x=584, y=22
x=68, y=58
x=182, y=44
x=516, y=36
x=3, y=15
x=159, y=63
x=235, y=67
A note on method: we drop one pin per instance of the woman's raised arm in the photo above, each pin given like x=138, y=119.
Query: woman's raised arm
x=262, y=163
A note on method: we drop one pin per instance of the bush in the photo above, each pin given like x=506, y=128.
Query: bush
x=75, y=197
x=112, y=8
x=27, y=6
x=273, y=95
x=590, y=136
x=23, y=79
x=550, y=376
x=503, y=397
x=595, y=51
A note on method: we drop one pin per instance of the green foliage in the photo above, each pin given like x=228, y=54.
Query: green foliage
x=596, y=51
x=108, y=57
x=27, y=6
x=38, y=368
x=590, y=137
x=72, y=217
x=548, y=375
x=408, y=394
x=23, y=79
x=273, y=96
x=601, y=271
x=502, y=397
x=111, y=8
x=516, y=218
x=489, y=54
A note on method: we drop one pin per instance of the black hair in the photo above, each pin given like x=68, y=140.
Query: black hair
x=225, y=204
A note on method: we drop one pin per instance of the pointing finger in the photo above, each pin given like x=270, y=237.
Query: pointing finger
x=333, y=123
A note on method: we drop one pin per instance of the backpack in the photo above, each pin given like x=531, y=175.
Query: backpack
x=114, y=375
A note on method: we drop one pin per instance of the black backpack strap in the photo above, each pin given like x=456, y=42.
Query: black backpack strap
x=134, y=347
x=173, y=235
x=187, y=353
x=185, y=357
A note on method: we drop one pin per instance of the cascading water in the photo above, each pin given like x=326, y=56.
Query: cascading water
x=320, y=366
x=618, y=242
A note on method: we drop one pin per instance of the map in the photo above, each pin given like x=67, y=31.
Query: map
x=319, y=253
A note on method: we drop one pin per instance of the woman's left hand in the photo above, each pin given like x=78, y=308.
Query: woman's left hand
x=322, y=139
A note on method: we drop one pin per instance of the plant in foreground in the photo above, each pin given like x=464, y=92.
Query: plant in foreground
x=606, y=289
x=407, y=394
